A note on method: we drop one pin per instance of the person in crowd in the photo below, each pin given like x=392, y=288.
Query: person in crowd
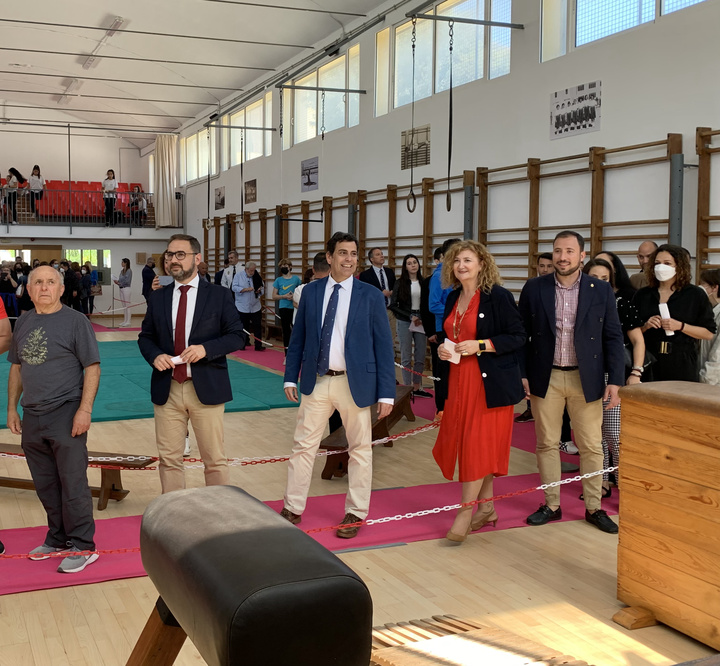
x=148, y=275
x=56, y=368
x=36, y=263
x=544, y=266
x=248, y=287
x=110, y=186
x=37, y=188
x=673, y=341
x=14, y=181
x=436, y=296
x=308, y=277
x=93, y=285
x=283, y=288
x=567, y=355
x=221, y=272
x=343, y=343
x=85, y=290
x=20, y=274
x=381, y=277
x=124, y=281
x=203, y=272
x=622, y=282
x=479, y=390
x=405, y=305
x=645, y=251
x=231, y=270
x=138, y=206
x=77, y=303
x=197, y=388
x=710, y=349
x=635, y=346
x=8, y=284
x=72, y=285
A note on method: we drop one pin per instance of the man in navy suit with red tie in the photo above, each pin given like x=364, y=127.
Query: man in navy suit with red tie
x=189, y=328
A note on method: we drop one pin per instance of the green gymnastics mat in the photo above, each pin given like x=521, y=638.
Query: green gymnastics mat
x=125, y=385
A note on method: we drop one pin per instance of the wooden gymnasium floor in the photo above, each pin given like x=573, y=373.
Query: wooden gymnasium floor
x=555, y=584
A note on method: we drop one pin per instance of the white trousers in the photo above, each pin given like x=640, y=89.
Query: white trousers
x=125, y=295
x=331, y=393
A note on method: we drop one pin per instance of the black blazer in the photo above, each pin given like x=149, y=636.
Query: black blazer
x=370, y=276
x=498, y=320
x=598, y=335
x=402, y=309
x=216, y=325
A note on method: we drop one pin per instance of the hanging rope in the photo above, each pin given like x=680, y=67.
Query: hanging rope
x=411, y=201
x=322, y=116
x=242, y=180
x=448, y=196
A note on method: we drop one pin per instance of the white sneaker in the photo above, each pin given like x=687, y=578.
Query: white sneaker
x=569, y=447
x=186, y=452
x=76, y=563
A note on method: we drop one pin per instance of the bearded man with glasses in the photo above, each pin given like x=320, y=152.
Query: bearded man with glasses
x=189, y=328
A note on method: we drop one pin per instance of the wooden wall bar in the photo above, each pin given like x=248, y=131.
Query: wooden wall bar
x=708, y=225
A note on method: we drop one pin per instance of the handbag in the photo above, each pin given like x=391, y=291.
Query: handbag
x=647, y=361
x=96, y=290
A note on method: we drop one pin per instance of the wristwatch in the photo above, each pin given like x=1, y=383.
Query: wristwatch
x=481, y=347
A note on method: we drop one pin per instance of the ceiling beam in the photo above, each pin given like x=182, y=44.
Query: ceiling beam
x=285, y=7
x=115, y=80
x=130, y=58
x=119, y=113
x=149, y=33
x=61, y=125
x=55, y=93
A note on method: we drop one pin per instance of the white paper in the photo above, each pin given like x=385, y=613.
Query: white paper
x=665, y=314
x=177, y=360
x=113, y=277
x=450, y=346
x=416, y=328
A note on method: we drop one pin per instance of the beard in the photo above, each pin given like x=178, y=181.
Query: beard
x=180, y=274
x=568, y=270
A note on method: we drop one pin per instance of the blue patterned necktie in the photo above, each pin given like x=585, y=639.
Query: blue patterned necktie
x=382, y=285
x=326, y=334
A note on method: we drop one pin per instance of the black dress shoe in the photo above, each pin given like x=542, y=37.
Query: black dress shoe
x=2, y=548
x=544, y=515
x=602, y=521
x=525, y=417
x=291, y=517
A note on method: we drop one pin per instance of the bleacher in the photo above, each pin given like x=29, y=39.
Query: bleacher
x=78, y=202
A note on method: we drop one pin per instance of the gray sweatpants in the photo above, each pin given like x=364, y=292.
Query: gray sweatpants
x=58, y=466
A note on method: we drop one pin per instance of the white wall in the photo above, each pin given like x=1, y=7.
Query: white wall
x=90, y=156
x=656, y=79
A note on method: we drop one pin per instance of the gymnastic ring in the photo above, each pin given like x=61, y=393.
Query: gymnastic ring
x=413, y=198
x=448, y=201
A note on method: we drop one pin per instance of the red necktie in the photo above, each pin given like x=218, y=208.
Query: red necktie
x=180, y=371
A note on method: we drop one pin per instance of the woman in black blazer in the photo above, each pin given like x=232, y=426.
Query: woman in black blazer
x=479, y=390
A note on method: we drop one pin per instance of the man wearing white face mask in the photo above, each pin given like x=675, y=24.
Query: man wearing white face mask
x=677, y=315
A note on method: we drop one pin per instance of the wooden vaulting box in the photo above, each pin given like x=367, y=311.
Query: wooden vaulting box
x=669, y=548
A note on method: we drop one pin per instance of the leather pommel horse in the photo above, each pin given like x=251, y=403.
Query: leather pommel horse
x=246, y=586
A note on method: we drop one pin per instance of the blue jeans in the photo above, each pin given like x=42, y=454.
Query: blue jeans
x=406, y=338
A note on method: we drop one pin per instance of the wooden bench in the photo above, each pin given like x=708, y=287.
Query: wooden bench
x=110, y=481
x=336, y=465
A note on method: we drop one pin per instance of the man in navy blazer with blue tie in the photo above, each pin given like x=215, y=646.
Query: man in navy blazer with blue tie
x=574, y=339
x=198, y=388
x=341, y=339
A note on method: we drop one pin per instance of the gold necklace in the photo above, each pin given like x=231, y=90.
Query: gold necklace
x=456, y=326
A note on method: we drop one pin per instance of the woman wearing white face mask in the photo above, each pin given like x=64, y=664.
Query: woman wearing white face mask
x=673, y=340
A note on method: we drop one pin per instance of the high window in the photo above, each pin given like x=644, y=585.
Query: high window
x=253, y=142
x=198, y=155
x=309, y=113
x=478, y=52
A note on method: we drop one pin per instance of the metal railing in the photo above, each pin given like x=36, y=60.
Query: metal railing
x=76, y=206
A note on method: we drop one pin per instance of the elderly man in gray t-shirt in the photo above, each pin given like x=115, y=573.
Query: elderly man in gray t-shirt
x=56, y=368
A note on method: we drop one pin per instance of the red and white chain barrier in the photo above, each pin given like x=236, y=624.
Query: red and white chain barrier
x=414, y=372
x=370, y=522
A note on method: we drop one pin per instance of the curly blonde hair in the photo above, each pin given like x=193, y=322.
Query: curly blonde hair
x=488, y=276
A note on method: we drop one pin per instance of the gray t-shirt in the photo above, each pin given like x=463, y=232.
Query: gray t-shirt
x=52, y=351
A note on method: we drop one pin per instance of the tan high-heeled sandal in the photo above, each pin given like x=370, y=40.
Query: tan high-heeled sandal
x=454, y=536
x=482, y=519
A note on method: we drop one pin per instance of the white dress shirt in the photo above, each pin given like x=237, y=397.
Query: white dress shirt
x=189, y=312
x=337, y=342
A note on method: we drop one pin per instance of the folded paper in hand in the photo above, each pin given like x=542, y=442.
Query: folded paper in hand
x=450, y=346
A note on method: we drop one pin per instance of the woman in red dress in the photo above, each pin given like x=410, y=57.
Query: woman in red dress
x=478, y=392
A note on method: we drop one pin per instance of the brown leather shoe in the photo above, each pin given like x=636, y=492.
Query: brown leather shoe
x=290, y=516
x=349, y=532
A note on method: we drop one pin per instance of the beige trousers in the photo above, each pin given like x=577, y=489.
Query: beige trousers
x=586, y=417
x=331, y=393
x=171, y=422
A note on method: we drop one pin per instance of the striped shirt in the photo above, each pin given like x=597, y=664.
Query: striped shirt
x=566, y=304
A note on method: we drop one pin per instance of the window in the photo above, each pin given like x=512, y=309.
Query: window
x=554, y=29
x=599, y=18
x=198, y=155
x=670, y=6
x=478, y=51
x=255, y=142
x=81, y=256
x=314, y=112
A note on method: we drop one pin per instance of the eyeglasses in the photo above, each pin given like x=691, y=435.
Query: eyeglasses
x=180, y=255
